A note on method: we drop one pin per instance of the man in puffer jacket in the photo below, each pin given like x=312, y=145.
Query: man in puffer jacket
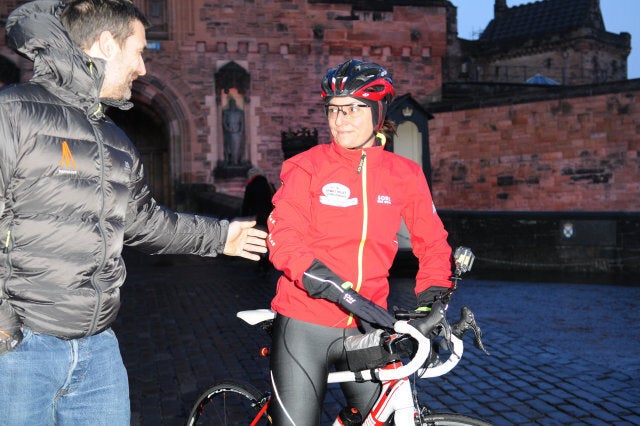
x=72, y=193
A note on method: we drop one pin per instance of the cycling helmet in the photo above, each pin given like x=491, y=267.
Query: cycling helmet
x=367, y=81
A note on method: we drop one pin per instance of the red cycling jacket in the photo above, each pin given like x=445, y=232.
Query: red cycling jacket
x=344, y=208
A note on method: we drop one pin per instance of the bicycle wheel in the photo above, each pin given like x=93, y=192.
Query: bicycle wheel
x=229, y=403
x=451, y=420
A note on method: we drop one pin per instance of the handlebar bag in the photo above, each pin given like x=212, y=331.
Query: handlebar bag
x=367, y=351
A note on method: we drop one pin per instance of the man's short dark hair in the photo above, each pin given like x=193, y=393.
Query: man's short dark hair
x=85, y=20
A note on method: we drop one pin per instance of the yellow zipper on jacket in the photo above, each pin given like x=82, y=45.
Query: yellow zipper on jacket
x=362, y=171
x=5, y=249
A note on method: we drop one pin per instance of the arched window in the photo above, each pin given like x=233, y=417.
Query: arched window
x=156, y=13
x=408, y=142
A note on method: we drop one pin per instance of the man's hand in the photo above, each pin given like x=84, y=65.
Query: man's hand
x=244, y=240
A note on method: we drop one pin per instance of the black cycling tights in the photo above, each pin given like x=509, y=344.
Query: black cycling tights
x=301, y=356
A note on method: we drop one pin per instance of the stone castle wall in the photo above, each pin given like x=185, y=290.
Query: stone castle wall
x=564, y=154
x=286, y=47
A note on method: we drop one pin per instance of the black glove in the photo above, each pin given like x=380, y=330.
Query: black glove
x=322, y=282
x=366, y=310
x=428, y=296
x=10, y=328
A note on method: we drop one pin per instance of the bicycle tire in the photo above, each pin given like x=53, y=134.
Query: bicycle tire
x=452, y=420
x=228, y=403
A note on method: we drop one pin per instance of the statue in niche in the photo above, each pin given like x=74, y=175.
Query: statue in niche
x=233, y=133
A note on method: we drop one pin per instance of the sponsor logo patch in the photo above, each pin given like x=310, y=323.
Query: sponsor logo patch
x=337, y=195
x=67, y=164
x=384, y=199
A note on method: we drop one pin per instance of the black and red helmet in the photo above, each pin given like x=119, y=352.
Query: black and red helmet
x=366, y=81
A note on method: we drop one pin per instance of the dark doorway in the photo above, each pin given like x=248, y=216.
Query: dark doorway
x=150, y=134
x=9, y=72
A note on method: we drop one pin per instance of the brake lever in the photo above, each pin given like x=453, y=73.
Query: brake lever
x=428, y=324
x=468, y=321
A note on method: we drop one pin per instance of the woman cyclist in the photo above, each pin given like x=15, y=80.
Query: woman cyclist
x=333, y=235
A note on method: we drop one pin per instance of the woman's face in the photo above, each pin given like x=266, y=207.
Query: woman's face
x=350, y=122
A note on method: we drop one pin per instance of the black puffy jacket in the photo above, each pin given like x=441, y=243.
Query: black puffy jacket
x=73, y=190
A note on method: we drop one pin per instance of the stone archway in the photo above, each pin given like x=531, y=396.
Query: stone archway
x=156, y=125
x=232, y=83
x=149, y=133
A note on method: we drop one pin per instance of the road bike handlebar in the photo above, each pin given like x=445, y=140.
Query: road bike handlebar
x=416, y=364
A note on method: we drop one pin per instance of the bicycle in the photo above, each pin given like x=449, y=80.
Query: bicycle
x=414, y=349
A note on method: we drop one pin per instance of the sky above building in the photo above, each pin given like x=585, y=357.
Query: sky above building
x=619, y=16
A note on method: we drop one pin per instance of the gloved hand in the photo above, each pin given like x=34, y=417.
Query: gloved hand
x=10, y=328
x=366, y=310
x=428, y=296
x=322, y=282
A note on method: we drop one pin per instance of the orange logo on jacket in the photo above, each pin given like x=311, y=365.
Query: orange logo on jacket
x=67, y=163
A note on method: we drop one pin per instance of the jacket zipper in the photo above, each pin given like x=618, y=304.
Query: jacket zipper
x=96, y=287
x=362, y=171
x=7, y=250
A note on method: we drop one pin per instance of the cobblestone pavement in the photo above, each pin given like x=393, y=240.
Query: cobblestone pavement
x=561, y=354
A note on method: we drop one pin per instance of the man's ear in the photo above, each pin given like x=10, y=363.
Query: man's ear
x=105, y=46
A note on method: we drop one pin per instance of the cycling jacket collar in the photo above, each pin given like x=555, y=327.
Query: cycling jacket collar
x=354, y=155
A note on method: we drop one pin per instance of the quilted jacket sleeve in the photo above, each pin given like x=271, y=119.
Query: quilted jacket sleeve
x=156, y=229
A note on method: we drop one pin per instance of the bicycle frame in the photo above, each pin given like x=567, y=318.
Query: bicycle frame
x=261, y=413
x=395, y=398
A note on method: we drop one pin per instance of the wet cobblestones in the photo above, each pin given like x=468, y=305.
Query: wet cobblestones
x=560, y=354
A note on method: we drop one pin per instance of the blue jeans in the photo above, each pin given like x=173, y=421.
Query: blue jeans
x=51, y=381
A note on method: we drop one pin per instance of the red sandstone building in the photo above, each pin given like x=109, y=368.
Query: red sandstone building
x=487, y=139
